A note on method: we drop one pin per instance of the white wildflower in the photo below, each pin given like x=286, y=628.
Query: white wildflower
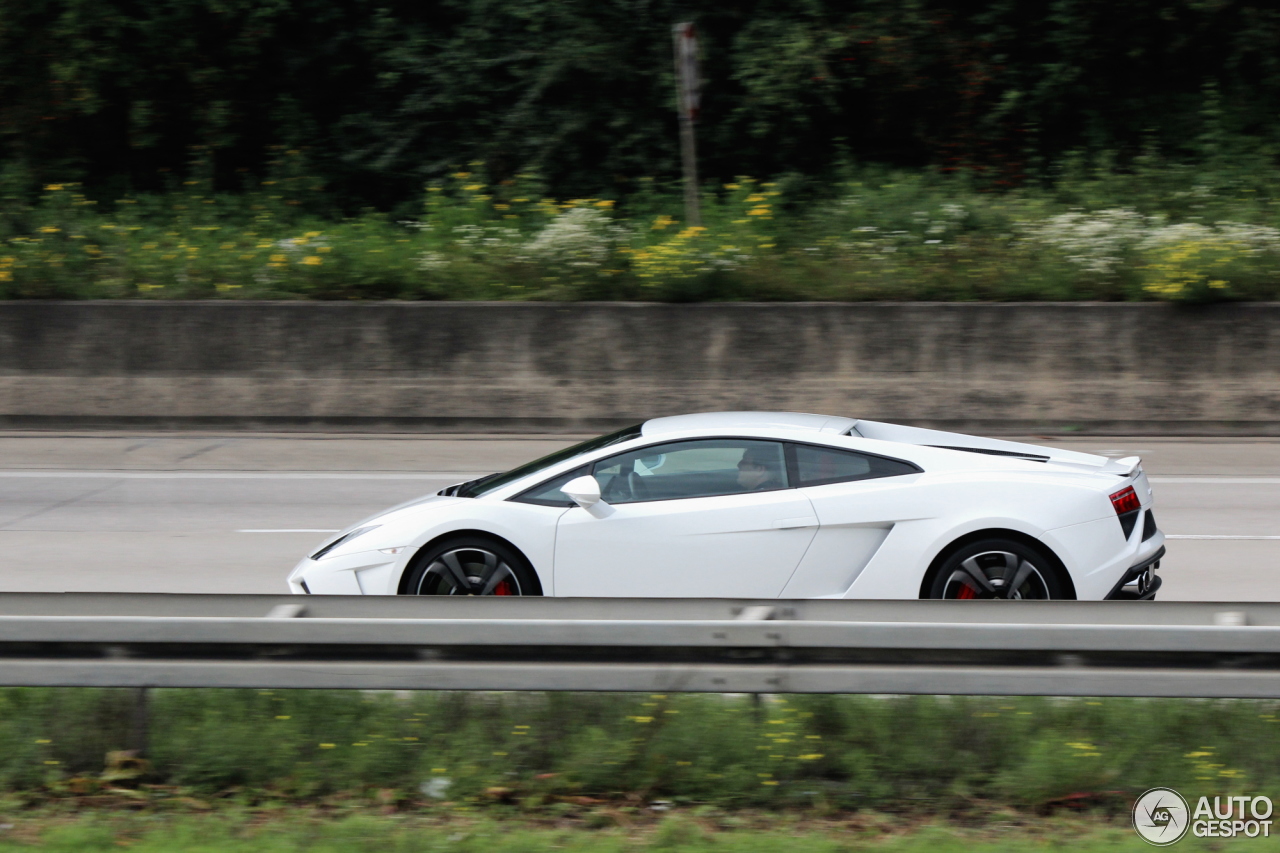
x=432, y=262
x=486, y=242
x=1247, y=239
x=582, y=237
x=1098, y=241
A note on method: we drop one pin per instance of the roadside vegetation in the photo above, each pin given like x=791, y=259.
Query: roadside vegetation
x=579, y=754
x=1152, y=231
x=942, y=150
x=344, y=828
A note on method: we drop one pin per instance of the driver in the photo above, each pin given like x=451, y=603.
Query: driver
x=759, y=470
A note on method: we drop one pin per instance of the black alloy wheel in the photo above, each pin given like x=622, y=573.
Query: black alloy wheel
x=470, y=566
x=998, y=569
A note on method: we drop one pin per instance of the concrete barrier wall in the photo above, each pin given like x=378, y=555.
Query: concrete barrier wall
x=1113, y=368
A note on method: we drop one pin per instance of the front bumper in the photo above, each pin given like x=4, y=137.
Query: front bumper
x=362, y=573
x=1140, y=582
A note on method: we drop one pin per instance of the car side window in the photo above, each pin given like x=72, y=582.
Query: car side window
x=548, y=493
x=692, y=469
x=818, y=466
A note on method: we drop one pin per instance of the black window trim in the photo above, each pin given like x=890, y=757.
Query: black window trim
x=789, y=455
x=991, y=451
x=793, y=464
x=580, y=470
x=466, y=490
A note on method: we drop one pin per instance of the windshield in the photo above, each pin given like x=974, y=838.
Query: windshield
x=485, y=485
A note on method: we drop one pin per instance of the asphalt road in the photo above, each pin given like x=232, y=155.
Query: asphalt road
x=233, y=513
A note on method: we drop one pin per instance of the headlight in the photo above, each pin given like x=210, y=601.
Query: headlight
x=359, y=531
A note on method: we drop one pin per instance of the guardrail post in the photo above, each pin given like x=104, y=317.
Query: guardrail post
x=757, y=613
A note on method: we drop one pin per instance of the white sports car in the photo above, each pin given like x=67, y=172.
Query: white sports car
x=767, y=505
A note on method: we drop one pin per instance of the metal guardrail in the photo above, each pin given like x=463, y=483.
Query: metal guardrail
x=705, y=645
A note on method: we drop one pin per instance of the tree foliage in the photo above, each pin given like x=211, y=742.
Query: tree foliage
x=384, y=95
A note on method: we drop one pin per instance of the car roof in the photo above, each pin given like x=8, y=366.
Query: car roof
x=747, y=420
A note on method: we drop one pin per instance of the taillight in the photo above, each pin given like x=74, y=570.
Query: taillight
x=1126, y=500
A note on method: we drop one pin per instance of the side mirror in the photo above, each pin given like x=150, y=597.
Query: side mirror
x=585, y=492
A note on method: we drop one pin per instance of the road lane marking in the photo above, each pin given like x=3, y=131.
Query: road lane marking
x=292, y=530
x=1213, y=536
x=239, y=475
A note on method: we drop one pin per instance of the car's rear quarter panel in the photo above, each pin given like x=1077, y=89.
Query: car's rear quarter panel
x=941, y=508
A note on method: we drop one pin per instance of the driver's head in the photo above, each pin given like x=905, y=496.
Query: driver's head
x=757, y=467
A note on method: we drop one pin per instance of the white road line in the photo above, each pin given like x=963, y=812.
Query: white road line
x=292, y=530
x=1212, y=536
x=1238, y=481
x=452, y=476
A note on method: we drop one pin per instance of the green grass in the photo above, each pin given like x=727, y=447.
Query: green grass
x=529, y=752
x=359, y=831
x=1151, y=231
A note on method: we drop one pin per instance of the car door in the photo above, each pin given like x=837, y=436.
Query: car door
x=858, y=497
x=699, y=518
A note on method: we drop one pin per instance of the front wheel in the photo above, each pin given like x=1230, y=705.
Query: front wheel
x=470, y=566
x=998, y=569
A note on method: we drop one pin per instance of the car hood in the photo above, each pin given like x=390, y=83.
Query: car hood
x=393, y=524
x=409, y=510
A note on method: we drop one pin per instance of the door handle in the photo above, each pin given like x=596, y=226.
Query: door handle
x=795, y=523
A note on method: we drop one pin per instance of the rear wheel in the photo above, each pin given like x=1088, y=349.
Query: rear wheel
x=470, y=566
x=998, y=568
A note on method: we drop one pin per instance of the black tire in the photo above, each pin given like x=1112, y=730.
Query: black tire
x=998, y=569
x=470, y=565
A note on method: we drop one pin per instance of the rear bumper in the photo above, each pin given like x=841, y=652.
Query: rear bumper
x=1140, y=582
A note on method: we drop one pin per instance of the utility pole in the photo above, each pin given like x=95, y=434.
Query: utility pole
x=685, y=39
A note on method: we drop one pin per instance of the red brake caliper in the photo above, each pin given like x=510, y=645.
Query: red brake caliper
x=966, y=591
x=504, y=588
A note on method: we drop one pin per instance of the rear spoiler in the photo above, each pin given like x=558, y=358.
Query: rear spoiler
x=995, y=447
x=1126, y=467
